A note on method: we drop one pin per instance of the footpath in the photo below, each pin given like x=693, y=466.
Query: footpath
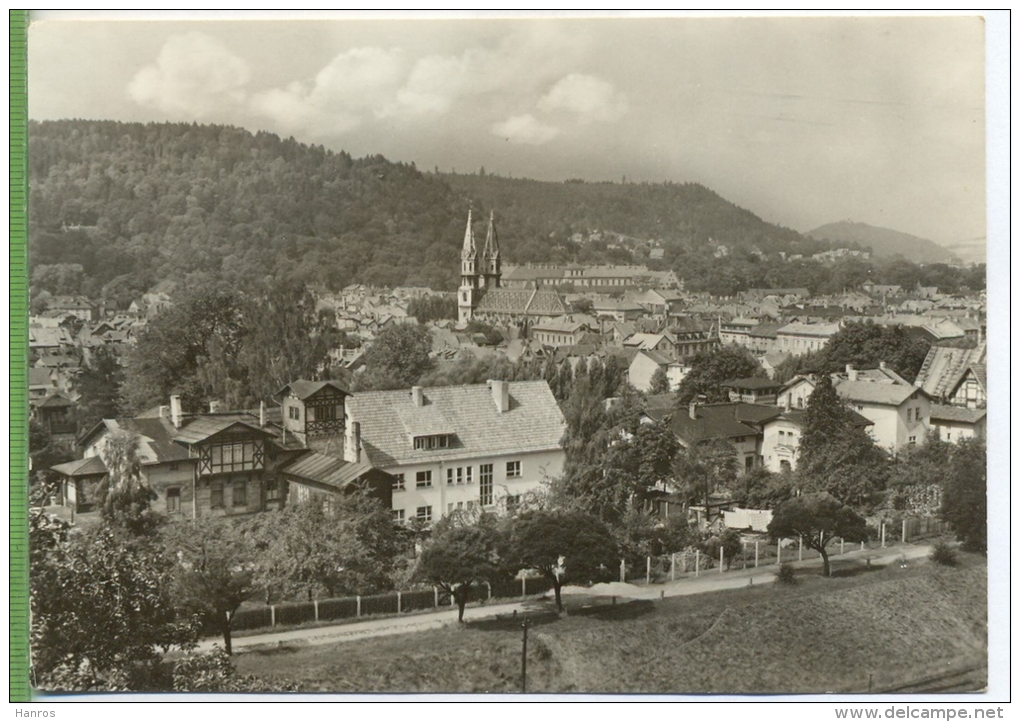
x=709, y=580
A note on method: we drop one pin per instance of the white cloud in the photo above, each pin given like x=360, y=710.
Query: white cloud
x=195, y=76
x=350, y=87
x=525, y=129
x=590, y=97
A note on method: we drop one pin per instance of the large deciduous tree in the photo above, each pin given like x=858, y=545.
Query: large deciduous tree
x=125, y=497
x=102, y=610
x=99, y=387
x=710, y=369
x=214, y=569
x=965, y=494
x=397, y=358
x=562, y=546
x=460, y=558
x=865, y=345
x=836, y=453
x=817, y=519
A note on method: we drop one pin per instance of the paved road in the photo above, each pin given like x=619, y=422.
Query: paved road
x=708, y=581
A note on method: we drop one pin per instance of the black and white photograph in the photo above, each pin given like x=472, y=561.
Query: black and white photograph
x=511, y=354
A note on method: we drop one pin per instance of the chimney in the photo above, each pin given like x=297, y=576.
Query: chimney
x=175, y=411
x=352, y=443
x=214, y=406
x=881, y=365
x=417, y=396
x=164, y=412
x=501, y=395
x=693, y=410
x=262, y=413
x=851, y=373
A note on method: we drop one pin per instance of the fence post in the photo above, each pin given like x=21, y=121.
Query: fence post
x=524, y=586
x=779, y=551
x=862, y=546
x=358, y=597
x=489, y=587
x=904, y=539
x=435, y=596
x=755, y=553
x=743, y=552
x=841, y=546
x=648, y=570
x=721, y=551
x=883, y=535
x=316, y=603
x=623, y=570
x=398, y=602
x=272, y=615
x=800, y=549
x=697, y=561
x=672, y=567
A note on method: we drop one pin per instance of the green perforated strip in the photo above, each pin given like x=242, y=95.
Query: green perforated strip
x=20, y=689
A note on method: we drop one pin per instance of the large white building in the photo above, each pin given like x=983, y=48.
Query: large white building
x=457, y=447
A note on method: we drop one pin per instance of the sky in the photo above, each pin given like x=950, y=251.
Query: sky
x=803, y=121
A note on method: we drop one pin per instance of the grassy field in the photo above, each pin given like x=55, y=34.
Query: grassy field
x=882, y=627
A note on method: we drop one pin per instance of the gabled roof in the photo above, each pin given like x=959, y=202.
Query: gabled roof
x=655, y=356
x=797, y=416
x=326, y=469
x=92, y=466
x=205, y=427
x=945, y=366
x=155, y=438
x=533, y=422
x=303, y=389
x=752, y=384
x=875, y=393
x=809, y=329
x=55, y=401
x=958, y=414
x=38, y=377
x=716, y=421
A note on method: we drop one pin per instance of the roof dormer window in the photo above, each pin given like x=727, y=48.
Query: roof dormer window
x=431, y=442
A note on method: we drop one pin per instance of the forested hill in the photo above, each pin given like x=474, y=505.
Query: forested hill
x=117, y=208
x=884, y=242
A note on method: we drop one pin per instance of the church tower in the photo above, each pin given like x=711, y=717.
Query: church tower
x=491, y=268
x=467, y=295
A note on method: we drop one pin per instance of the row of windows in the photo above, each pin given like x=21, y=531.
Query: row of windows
x=428, y=443
x=458, y=475
x=238, y=495
x=315, y=413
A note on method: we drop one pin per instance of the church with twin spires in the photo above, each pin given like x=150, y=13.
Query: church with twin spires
x=480, y=295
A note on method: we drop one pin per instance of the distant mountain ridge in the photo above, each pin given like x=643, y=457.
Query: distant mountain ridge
x=885, y=242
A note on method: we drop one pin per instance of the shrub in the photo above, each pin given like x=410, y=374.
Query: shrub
x=786, y=574
x=942, y=553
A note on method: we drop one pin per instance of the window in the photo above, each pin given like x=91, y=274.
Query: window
x=748, y=463
x=860, y=407
x=239, y=495
x=910, y=413
x=423, y=479
x=272, y=489
x=782, y=437
x=467, y=475
x=912, y=440
x=513, y=469
x=398, y=516
x=428, y=443
x=322, y=413
x=173, y=500
x=294, y=412
x=800, y=402
x=485, y=479
x=424, y=514
x=216, y=495
x=398, y=482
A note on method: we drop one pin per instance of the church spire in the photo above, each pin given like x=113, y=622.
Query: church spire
x=490, y=255
x=469, y=250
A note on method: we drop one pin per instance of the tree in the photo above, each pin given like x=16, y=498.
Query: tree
x=710, y=369
x=659, y=382
x=346, y=546
x=816, y=519
x=836, y=453
x=706, y=467
x=214, y=569
x=99, y=387
x=125, y=497
x=101, y=610
x=866, y=345
x=397, y=358
x=562, y=545
x=965, y=494
x=458, y=559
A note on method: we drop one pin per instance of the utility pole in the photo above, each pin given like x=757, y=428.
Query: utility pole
x=524, y=659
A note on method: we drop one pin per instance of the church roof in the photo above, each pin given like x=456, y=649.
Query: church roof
x=535, y=302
